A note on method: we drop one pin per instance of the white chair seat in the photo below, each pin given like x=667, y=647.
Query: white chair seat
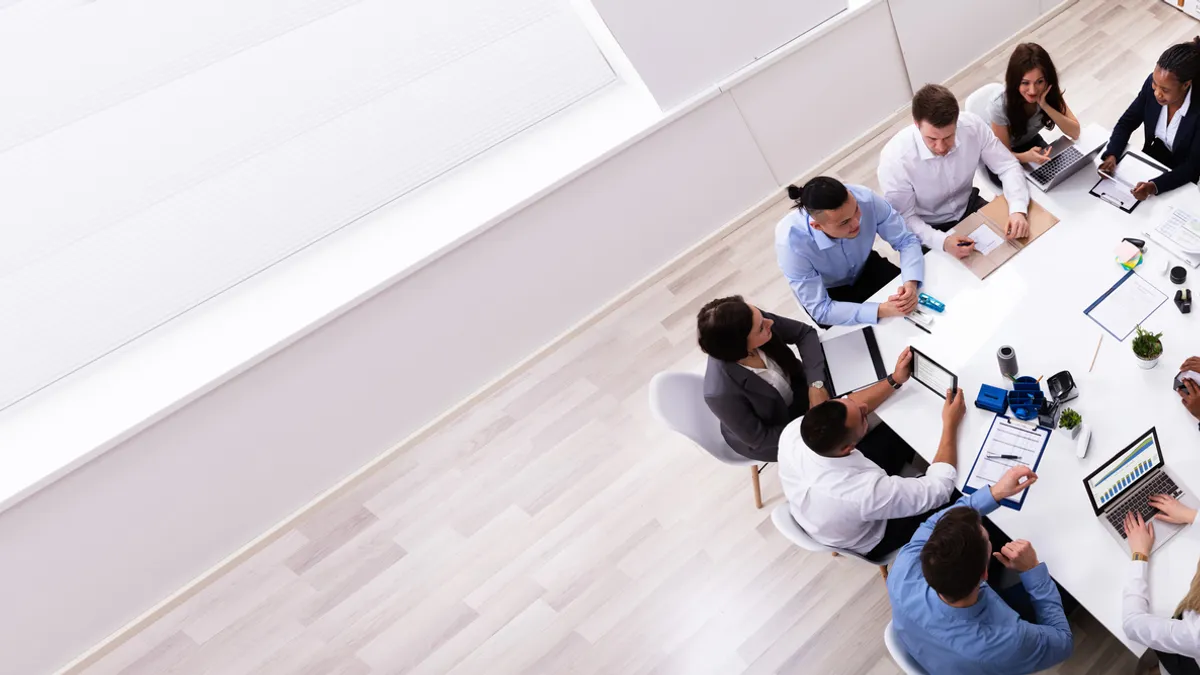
x=781, y=516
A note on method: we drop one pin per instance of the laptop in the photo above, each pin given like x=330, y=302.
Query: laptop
x=1126, y=482
x=1066, y=157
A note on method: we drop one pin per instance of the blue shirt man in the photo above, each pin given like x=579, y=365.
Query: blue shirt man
x=826, y=244
x=979, y=632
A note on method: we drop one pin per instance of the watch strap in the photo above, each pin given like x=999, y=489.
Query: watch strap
x=892, y=381
x=1141, y=557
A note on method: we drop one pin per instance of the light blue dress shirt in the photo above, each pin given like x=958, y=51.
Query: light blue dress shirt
x=813, y=262
x=988, y=637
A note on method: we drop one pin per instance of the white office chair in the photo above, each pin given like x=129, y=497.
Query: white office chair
x=977, y=103
x=901, y=657
x=789, y=528
x=677, y=400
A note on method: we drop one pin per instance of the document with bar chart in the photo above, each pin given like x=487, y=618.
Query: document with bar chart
x=1124, y=471
x=1008, y=443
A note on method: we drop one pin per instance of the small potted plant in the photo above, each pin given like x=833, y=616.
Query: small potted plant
x=1071, y=420
x=1147, y=347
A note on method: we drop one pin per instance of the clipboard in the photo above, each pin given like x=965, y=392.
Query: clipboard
x=994, y=216
x=1110, y=191
x=1137, y=305
x=1034, y=444
x=858, y=361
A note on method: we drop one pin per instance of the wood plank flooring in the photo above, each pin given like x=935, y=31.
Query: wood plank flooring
x=554, y=527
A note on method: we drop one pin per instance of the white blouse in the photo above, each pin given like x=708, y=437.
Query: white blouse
x=775, y=377
x=1166, y=132
x=1174, y=636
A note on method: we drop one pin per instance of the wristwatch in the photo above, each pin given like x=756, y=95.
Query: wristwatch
x=817, y=385
x=1141, y=556
x=892, y=381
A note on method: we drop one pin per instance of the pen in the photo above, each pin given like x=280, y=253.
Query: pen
x=1003, y=457
x=918, y=325
x=964, y=243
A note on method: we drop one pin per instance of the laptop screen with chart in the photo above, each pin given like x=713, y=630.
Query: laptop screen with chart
x=1124, y=471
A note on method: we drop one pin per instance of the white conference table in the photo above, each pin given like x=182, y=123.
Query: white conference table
x=1035, y=303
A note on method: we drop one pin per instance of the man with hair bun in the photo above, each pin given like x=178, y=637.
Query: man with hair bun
x=824, y=248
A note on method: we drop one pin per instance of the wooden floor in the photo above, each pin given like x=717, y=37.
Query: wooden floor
x=554, y=527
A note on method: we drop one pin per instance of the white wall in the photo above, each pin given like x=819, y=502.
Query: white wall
x=89, y=553
x=940, y=37
x=790, y=109
x=680, y=47
x=92, y=551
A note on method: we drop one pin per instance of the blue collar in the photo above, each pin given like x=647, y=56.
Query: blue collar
x=821, y=239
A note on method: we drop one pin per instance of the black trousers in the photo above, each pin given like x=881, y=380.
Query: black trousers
x=877, y=271
x=1035, y=142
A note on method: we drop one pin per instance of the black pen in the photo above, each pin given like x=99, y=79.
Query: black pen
x=918, y=325
x=964, y=243
x=1003, y=457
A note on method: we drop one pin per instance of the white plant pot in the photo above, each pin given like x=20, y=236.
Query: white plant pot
x=1075, y=431
x=1147, y=364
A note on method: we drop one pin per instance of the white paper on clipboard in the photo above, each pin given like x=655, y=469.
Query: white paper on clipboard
x=1007, y=444
x=1128, y=303
x=1131, y=170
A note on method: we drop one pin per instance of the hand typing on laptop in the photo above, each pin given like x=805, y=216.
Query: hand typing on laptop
x=1171, y=510
x=1139, y=533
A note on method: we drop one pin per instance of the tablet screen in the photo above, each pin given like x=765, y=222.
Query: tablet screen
x=926, y=371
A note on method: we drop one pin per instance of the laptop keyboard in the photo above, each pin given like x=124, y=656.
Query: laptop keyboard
x=1050, y=169
x=1140, y=501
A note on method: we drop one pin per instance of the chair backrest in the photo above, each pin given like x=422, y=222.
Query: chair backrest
x=901, y=657
x=979, y=99
x=677, y=400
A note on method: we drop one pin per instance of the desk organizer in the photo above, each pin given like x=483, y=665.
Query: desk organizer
x=1026, y=398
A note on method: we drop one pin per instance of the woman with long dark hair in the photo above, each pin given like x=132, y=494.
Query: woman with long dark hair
x=1164, y=108
x=1032, y=101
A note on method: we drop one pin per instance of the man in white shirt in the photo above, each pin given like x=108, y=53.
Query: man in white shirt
x=925, y=172
x=852, y=498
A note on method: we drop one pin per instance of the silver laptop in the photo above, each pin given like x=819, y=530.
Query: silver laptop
x=1066, y=157
x=1126, y=482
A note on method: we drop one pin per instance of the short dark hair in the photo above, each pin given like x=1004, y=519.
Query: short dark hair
x=823, y=428
x=935, y=104
x=1182, y=60
x=819, y=194
x=722, y=327
x=955, y=556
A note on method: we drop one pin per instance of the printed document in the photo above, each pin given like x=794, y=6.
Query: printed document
x=1008, y=444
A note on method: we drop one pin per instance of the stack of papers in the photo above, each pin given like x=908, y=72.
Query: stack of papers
x=1180, y=234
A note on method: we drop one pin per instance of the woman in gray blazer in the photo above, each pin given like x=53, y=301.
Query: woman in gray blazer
x=754, y=383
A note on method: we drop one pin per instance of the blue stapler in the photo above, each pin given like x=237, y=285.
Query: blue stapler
x=992, y=398
x=931, y=302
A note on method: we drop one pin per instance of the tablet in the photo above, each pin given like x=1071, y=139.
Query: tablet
x=927, y=371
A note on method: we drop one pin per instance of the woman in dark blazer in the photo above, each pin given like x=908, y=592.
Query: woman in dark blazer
x=754, y=383
x=1164, y=109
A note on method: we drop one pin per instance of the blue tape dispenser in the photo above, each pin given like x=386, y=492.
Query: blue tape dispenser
x=931, y=302
x=991, y=398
